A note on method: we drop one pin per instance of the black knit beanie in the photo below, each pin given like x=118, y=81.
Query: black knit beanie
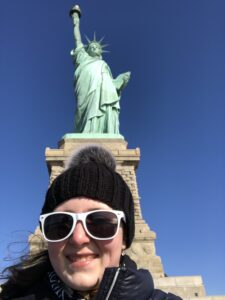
x=91, y=173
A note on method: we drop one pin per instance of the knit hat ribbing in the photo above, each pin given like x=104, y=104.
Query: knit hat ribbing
x=90, y=173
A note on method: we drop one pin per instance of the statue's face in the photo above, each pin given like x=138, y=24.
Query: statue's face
x=94, y=49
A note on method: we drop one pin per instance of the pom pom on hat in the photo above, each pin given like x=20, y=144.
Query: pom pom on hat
x=91, y=153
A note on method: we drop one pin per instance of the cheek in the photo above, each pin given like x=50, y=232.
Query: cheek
x=54, y=251
x=111, y=251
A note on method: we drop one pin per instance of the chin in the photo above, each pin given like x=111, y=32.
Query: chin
x=82, y=282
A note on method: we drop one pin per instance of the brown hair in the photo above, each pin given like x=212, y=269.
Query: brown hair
x=21, y=276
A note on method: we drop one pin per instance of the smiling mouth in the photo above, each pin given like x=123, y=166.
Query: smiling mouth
x=81, y=258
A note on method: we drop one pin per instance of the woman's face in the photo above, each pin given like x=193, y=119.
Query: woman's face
x=80, y=261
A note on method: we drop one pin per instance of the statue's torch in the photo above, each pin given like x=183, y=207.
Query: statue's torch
x=75, y=10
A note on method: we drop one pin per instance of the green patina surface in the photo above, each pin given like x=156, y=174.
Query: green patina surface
x=97, y=92
x=92, y=136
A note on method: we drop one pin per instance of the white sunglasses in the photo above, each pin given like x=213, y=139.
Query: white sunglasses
x=98, y=224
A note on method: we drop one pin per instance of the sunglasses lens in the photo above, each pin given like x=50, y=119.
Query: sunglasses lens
x=102, y=224
x=57, y=226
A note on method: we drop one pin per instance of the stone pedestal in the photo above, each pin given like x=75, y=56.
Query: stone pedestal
x=184, y=286
x=143, y=247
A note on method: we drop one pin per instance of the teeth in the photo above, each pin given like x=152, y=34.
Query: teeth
x=81, y=258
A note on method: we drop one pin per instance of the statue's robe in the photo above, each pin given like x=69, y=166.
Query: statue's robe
x=97, y=98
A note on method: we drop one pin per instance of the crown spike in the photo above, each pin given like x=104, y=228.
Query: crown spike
x=101, y=40
x=88, y=40
x=105, y=45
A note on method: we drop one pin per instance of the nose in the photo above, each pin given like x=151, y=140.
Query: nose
x=79, y=235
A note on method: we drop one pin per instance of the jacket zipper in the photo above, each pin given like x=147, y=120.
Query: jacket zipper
x=113, y=284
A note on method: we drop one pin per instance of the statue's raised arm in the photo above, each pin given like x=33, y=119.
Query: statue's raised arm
x=76, y=14
x=97, y=92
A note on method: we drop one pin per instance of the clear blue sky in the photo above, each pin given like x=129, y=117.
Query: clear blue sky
x=173, y=109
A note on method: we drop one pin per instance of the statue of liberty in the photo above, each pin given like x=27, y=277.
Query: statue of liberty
x=97, y=92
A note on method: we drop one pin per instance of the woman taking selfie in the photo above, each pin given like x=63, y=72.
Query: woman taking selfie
x=87, y=221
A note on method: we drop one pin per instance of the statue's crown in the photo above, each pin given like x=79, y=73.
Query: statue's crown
x=99, y=42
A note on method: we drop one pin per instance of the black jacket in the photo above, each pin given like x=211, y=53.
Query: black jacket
x=123, y=283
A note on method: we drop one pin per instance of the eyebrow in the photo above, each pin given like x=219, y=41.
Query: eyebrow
x=90, y=209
